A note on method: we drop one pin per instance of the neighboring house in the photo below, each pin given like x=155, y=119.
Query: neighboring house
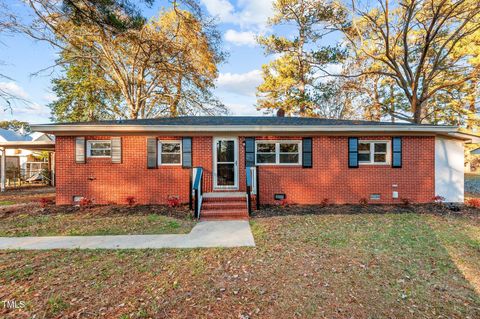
x=475, y=151
x=22, y=162
x=301, y=160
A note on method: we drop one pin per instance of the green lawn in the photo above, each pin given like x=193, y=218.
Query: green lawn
x=82, y=224
x=333, y=266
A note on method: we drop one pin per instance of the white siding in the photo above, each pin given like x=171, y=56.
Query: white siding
x=449, y=169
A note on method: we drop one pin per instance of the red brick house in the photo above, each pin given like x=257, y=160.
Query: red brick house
x=300, y=160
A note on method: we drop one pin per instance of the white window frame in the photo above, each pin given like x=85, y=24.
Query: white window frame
x=372, y=152
x=89, y=148
x=277, y=151
x=159, y=160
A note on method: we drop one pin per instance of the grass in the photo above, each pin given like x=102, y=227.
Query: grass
x=81, y=224
x=6, y=202
x=334, y=266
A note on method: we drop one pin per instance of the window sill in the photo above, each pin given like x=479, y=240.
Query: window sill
x=280, y=165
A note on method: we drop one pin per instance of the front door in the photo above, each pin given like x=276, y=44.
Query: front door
x=225, y=163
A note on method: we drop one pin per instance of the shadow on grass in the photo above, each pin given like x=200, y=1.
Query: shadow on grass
x=457, y=237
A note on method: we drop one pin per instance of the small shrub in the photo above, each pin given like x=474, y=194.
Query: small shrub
x=438, y=199
x=406, y=201
x=85, y=202
x=325, y=202
x=131, y=200
x=44, y=202
x=473, y=202
x=282, y=203
x=173, y=201
x=363, y=201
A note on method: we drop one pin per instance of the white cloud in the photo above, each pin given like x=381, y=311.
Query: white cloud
x=50, y=97
x=13, y=89
x=29, y=112
x=240, y=37
x=255, y=12
x=222, y=9
x=33, y=109
x=240, y=83
x=23, y=110
x=242, y=108
x=249, y=14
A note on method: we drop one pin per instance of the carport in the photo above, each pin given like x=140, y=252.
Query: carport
x=39, y=146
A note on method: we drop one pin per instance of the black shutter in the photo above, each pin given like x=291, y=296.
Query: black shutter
x=307, y=152
x=353, y=152
x=152, y=149
x=397, y=152
x=80, y=150
x=187, y=152
x=249, y=151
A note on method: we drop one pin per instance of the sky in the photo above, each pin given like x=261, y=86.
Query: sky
x=239, y=21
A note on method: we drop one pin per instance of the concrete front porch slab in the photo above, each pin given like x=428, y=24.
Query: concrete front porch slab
x=205, y=234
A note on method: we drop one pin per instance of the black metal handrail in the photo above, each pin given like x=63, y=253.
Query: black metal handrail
x=252, y=187
x=196, y=191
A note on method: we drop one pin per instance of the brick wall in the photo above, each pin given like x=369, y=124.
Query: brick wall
x=330, y=177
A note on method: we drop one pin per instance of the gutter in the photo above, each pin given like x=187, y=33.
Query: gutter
x=28, y=145
x=88, y=128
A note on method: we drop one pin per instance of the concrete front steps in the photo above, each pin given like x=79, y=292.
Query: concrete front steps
x=224, y=206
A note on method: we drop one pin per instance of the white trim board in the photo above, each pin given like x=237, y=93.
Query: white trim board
x=236, y=172
x=449, y=169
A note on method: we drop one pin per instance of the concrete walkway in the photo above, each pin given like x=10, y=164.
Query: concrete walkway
x=204, y=234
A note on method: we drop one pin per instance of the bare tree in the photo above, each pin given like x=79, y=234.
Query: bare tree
x=415, y=44
x=166, y=66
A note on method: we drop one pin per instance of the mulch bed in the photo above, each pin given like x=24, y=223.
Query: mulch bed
x=431, y=208
x=97, y=210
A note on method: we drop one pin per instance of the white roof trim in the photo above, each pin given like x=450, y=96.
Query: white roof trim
x=48, y=128
x=28, y=145
x=469, y=138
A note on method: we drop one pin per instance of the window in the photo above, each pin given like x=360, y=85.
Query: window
x=170, y=153
x=266, y=153
x=373, y=152
x=99, y=148
x=279, y=153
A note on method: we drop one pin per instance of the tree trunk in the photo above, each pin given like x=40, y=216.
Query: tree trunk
x=472, y=109
x=176, y=100
x=416, y=110
x=302, y=85
x=392, y=103
x=133, y=111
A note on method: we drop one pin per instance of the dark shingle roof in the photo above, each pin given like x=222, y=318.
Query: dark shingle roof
x=237, y=120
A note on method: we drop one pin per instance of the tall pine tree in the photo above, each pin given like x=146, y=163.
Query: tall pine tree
x=291, y=81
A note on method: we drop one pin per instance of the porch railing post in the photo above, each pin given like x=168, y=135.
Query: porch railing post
x=257, y=193
x=249, y=200
x=196, y=204
x=190, y=199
